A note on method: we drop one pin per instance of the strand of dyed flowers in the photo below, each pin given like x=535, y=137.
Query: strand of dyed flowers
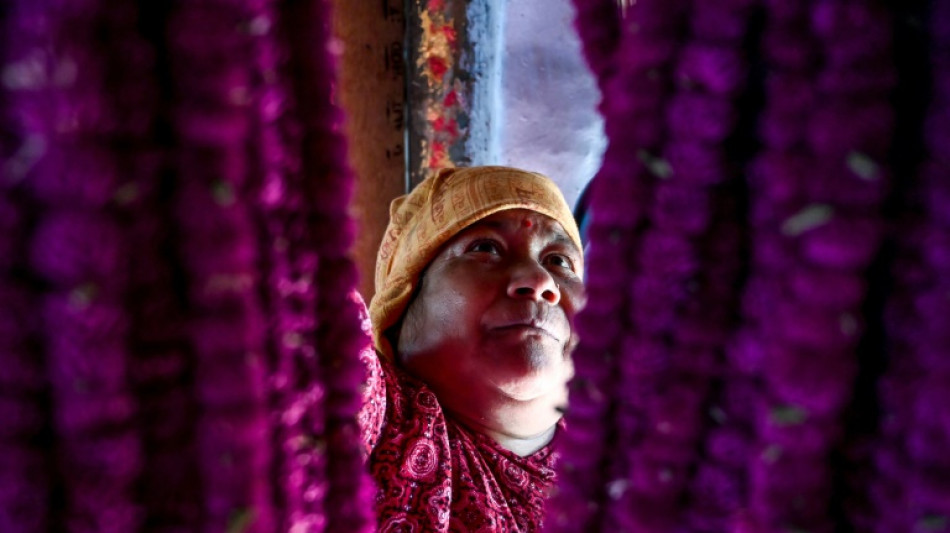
x=25, y=477
x=89, y=192
x=78, y=250
x=593, y=472
x=328, y=185
x=682, y=287
x=317, y=372
x=212, y=62
x=816, y=212
x=292, y=298
x=703, y=268
x=159, y=365
x=742, y=388
x=910, y=491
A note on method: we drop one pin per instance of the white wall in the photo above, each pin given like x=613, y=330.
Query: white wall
x=547, y=118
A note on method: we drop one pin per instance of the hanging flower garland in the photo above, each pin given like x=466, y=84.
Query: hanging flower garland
x=316, y=372
x=910, y=491
x=327, y=185
x=594, y=467
x=291, y=290
x=78, y=252
x=84, y=183
x=212, y=64
x=25, y=476
x=688, y=268
x=816, y=195
x=160, y=364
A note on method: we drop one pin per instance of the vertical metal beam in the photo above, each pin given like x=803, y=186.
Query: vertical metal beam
x=452, y=61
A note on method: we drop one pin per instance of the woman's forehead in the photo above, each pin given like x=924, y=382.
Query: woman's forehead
x=513, y=220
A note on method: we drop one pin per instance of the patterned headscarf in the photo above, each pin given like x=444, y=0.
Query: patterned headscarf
x=438, y=209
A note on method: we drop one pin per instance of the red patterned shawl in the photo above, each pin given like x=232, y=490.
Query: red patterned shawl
x=433, y=474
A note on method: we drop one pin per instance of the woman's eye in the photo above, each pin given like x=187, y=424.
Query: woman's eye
x=490, y=247
x=561, y=261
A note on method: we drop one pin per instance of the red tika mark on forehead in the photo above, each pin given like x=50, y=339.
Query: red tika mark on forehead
x=526, y=223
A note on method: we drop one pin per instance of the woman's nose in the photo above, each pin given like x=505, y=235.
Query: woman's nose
x=531, y=280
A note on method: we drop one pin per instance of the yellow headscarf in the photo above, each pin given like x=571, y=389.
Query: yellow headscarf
x=434, y=212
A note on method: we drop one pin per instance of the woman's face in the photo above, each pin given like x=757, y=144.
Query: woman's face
x=493, y=316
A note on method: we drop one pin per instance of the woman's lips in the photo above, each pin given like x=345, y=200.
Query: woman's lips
x=527, y=327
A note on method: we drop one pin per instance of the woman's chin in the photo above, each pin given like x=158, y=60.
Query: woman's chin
x=531, y=384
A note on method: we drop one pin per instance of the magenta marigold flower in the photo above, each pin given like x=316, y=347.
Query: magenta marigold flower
x=699, y=359
x=929, y=493
x=782, y=130
x=681, y=208
x=845, y=243
x=71, y=248
x=786, y=9
x=114, y=460
x=796, y=429
x=676, y=413
x=643, y=91
x=718, y=489
x=11, y=229
x=855, y=181
x=24, y=488
x=783, y=45
x=771, y=252
x=612, y=216
x=83, y=411
x=725, y=22
x=85, y=319
x=696, y=163
x=655, y=310
x=669, y=253
x=236, y=381
x=717, y=69
x=729, y=446
x=820, y=328
x=740, y=395
x=600, y=328
x=660, y=447
x=828, y=288
x=653, y=19
x=933, y=175
x=840, y=129
x=790, y=92
x=857, y=80
x=936, y=247
x=655, y=479
x=820, y=384
x=926, y=443
x=81, y=176
x=700, y=117
x=746, y=352
x=777, y=175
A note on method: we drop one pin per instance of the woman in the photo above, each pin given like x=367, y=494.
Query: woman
x=478, y=279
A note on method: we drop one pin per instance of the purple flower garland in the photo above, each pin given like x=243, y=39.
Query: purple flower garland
x=160, y=364
x=664, y=371
x=141, y=427
x=910, y=491
x=327, y=187
x=316, y=370
x=25, y=477
x=816, y=196
x=683, y=284
x=603, y=417
x=211, y=46
x=815, y=219
x=77, y=251
x=297, y=392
